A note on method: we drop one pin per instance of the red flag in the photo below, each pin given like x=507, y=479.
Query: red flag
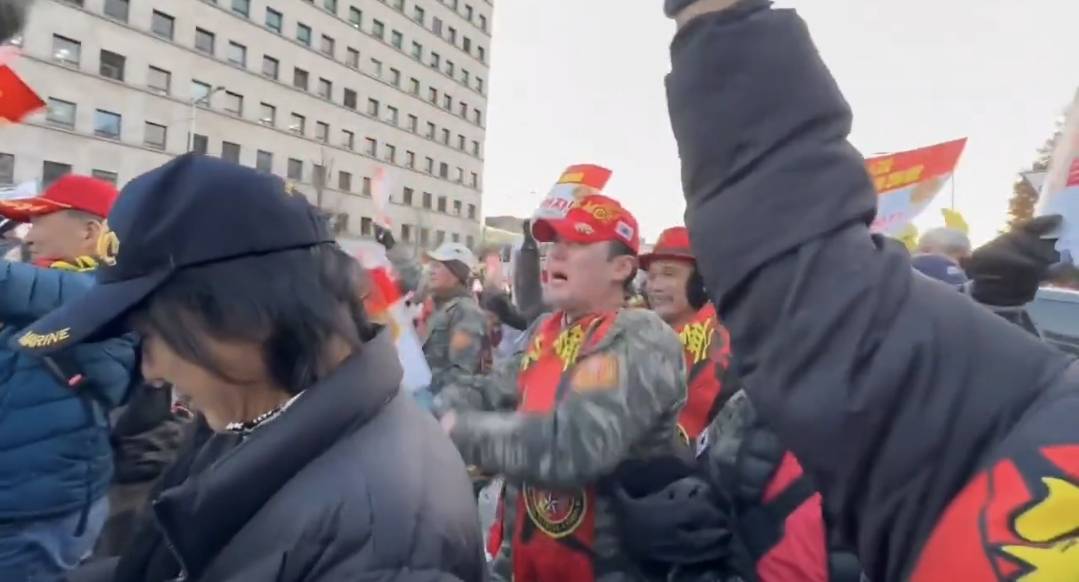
x=17, y=99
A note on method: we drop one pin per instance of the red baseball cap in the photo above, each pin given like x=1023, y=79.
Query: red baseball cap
x=673, y=244
x=69, y=192
x=592, y=219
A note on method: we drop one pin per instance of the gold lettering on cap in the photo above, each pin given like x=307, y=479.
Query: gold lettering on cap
x=33, y=340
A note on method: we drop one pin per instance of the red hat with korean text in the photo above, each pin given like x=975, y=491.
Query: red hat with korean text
x=673, y=244
x=69, y=192
x=592, y=219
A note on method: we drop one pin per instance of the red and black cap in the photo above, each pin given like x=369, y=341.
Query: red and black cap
x=194, y=210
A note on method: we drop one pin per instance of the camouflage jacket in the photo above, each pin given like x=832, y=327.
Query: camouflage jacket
x=456, y=343
x=628, y=414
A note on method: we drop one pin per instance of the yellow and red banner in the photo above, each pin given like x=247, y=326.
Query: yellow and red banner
x=907, y=182
x=575, y=183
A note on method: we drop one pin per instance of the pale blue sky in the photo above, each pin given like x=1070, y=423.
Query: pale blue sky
x=582, y=81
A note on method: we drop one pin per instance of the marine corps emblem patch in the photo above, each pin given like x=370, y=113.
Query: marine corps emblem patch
x=557, y=514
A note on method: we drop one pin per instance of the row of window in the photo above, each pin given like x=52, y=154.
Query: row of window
x=51, y=170
x=108, y=124
x=113, y=66
x=419, y=15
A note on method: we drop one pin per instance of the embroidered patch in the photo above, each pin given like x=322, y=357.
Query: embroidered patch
x=460, y=341
x=557, y=514
x=598, y=372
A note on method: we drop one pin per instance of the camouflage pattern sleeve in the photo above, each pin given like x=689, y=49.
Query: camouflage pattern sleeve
x=631, y=386
x=407, y=268
x=467, y=342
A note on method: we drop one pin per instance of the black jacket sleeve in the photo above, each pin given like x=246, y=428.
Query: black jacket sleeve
x=888, y=387
x=527, y=287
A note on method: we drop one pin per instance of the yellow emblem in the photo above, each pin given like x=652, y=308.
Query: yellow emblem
x=557, y=514
x=108, y=245
x=599, y=211
x=1052, y=528
x=568, y=345
x=533, y=354
x=33, y=340
x=697, y=339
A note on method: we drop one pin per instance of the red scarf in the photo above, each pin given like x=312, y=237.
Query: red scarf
x=555, y=530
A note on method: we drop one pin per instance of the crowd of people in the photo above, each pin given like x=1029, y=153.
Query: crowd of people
x=770, y=393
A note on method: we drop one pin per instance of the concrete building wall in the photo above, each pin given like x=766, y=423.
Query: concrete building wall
x=384, y=98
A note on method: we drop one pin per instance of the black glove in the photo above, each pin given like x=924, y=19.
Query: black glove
x=1007, y=271
x=384, y=237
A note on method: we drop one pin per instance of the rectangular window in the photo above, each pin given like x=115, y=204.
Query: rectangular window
x=447, y=101
x=482, y=54
x=66, y=51
x=303, y=33
x=466, y=77
x=264, y=161
x=378, y=30
x=451, y=70
x=274, y=20
x=355, y=17
x=322, y=131
x=107, y=124
x=117, y=9
x=406, y=197
x=397, y=39
x=417, y=51
x=391, y=114
x=200, y=144
x=406, y=232
x=391, y=153
x=429, y=165
x=461, y=142
x=431, y=129
x=455, y=237
x=329, y=46
x=365, y=225
x=234, y=103
x=468, y=13
x=372, y=146
x=475, y=148
x=155, y=135
x=475, y=180
x=445, y=136
x=457, y=208
x=413, y=122
x=352, y=58
x=376, y=68
x=477, y=117
x=436, y=60
x=325, y=88
x=472, y=211
x=483, y=23
x=463, y=109
x=162, y=25
x=270, y=67
x=344, y=181
x=267, y=114
x=348, y=139
x=466, y=44
x=410, y=159
x=414, y=86
x=365, y=189
x=112, y=65
x=372, y=107
x=318, y=175
x=479, y=85
x=242, y=7
x=460, y=175
x=444, y=172
x=297, y=123
x=418, y=14
x=61, y=113
x=350, y=98
x=399, y=5
x=425, y=237
x=199, y=92
x=427, y=200
x=237, y=54
x=330, y=5
x=50, y=171
x=7, y=169
x=453, y=36
x=204, y=41
x=230, y=152
x=395, y=77
x=436, y=26
x=441, y=203
x=299, y=78
x=295, y=169
x=159, y=80
x=105, y=175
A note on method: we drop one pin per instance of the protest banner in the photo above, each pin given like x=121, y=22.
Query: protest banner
x=575, y=183
x=1060, y=190
x=907, y=182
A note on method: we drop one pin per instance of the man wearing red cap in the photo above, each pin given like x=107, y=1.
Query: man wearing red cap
x=597, y=386
x=676, y=293
x=55, y=455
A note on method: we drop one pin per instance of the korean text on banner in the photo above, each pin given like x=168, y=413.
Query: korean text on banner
x=575, y=183
x=907, y=182
x=381, y=186
x=1060, y=191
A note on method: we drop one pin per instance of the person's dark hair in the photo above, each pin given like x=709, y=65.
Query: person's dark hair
x=621, y=249
x=292, y=302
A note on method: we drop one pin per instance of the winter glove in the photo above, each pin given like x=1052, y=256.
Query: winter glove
x=384, y=237
x=1007, y=271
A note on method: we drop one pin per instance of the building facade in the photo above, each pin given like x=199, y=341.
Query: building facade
x=319, y=92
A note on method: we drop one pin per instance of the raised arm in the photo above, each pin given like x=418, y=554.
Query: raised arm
x=887, y=386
